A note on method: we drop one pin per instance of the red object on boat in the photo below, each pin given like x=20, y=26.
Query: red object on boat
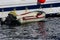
x=41, y=1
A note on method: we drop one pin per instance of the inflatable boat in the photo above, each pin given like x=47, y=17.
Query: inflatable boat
x=14, y=19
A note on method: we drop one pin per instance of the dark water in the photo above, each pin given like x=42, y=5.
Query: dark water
x=49, y=30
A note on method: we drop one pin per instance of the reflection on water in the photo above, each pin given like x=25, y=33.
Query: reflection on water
x=49, y=30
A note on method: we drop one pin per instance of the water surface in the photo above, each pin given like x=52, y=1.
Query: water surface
x=48, y=30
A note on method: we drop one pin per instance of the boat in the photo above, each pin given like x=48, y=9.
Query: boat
x=49, y=7
x=31, y=16
x=14, y=19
